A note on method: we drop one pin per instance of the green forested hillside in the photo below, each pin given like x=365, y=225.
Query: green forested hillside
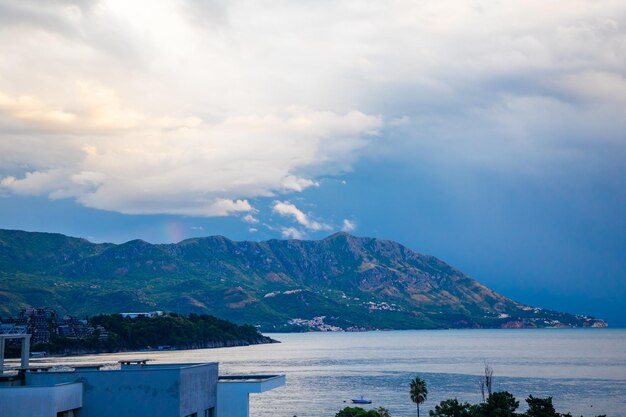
x=115, y=333
x=339, y=282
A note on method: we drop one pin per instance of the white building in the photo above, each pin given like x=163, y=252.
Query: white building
x=233, y=392
x=149, y=314
x=132, y=388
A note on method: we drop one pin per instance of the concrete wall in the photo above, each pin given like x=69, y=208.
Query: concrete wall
x=40, y=401
x=139, y=391
x=198, y=390
x=233, y=399
x=233, y=395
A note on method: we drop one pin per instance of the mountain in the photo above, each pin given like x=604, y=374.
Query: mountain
x=340, y=282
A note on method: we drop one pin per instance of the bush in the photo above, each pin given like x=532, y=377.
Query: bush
x=356, y=412
x=452, y=408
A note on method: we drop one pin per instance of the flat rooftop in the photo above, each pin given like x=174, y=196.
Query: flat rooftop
x=248, y=378
x=121, y=366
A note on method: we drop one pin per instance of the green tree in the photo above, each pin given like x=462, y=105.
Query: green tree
x=451, y=408
x=499, y=404
x=540, y=407
x=419, y=392
x=356, y=412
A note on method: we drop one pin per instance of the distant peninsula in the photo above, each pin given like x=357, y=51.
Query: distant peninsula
x=340, y=283
x=105, y=333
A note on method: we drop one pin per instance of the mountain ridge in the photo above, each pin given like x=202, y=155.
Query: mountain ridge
x=339, y=282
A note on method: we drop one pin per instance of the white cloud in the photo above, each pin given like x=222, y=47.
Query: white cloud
x=179, y=167
x=293, y=183
x=253, y=230
x=348, y=225
x=30, y=109
x=287, y=209
x=157, y=115
x=249, y=218
x=292, y=233
x=197, y=108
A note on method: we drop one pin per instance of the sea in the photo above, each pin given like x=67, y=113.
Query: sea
x=583, y=370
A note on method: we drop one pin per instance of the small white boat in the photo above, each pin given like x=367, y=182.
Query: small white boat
x=361, y=400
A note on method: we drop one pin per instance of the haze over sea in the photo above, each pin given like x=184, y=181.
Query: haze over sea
x=583, y=369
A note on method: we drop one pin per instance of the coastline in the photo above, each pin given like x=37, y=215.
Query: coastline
x=208, y=345
x=366, y=330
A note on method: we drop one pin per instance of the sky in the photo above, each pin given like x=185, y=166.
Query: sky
x=489, y=134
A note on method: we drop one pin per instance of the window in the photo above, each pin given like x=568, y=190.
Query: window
x=209, y=412
x=192, y=415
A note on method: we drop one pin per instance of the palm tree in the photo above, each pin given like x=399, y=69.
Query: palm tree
x=418, y=392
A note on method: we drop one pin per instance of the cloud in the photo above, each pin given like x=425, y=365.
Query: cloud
x=155, y=120
x=178, y=166
x=30, y=109
x=249, y=218
x=348, y=225
x=293, y=183
x=287, y=209
x=292, y=233
x=597, y=85
x=199, y=108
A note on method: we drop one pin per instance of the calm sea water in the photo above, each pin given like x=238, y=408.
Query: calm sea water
x=584, y=370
